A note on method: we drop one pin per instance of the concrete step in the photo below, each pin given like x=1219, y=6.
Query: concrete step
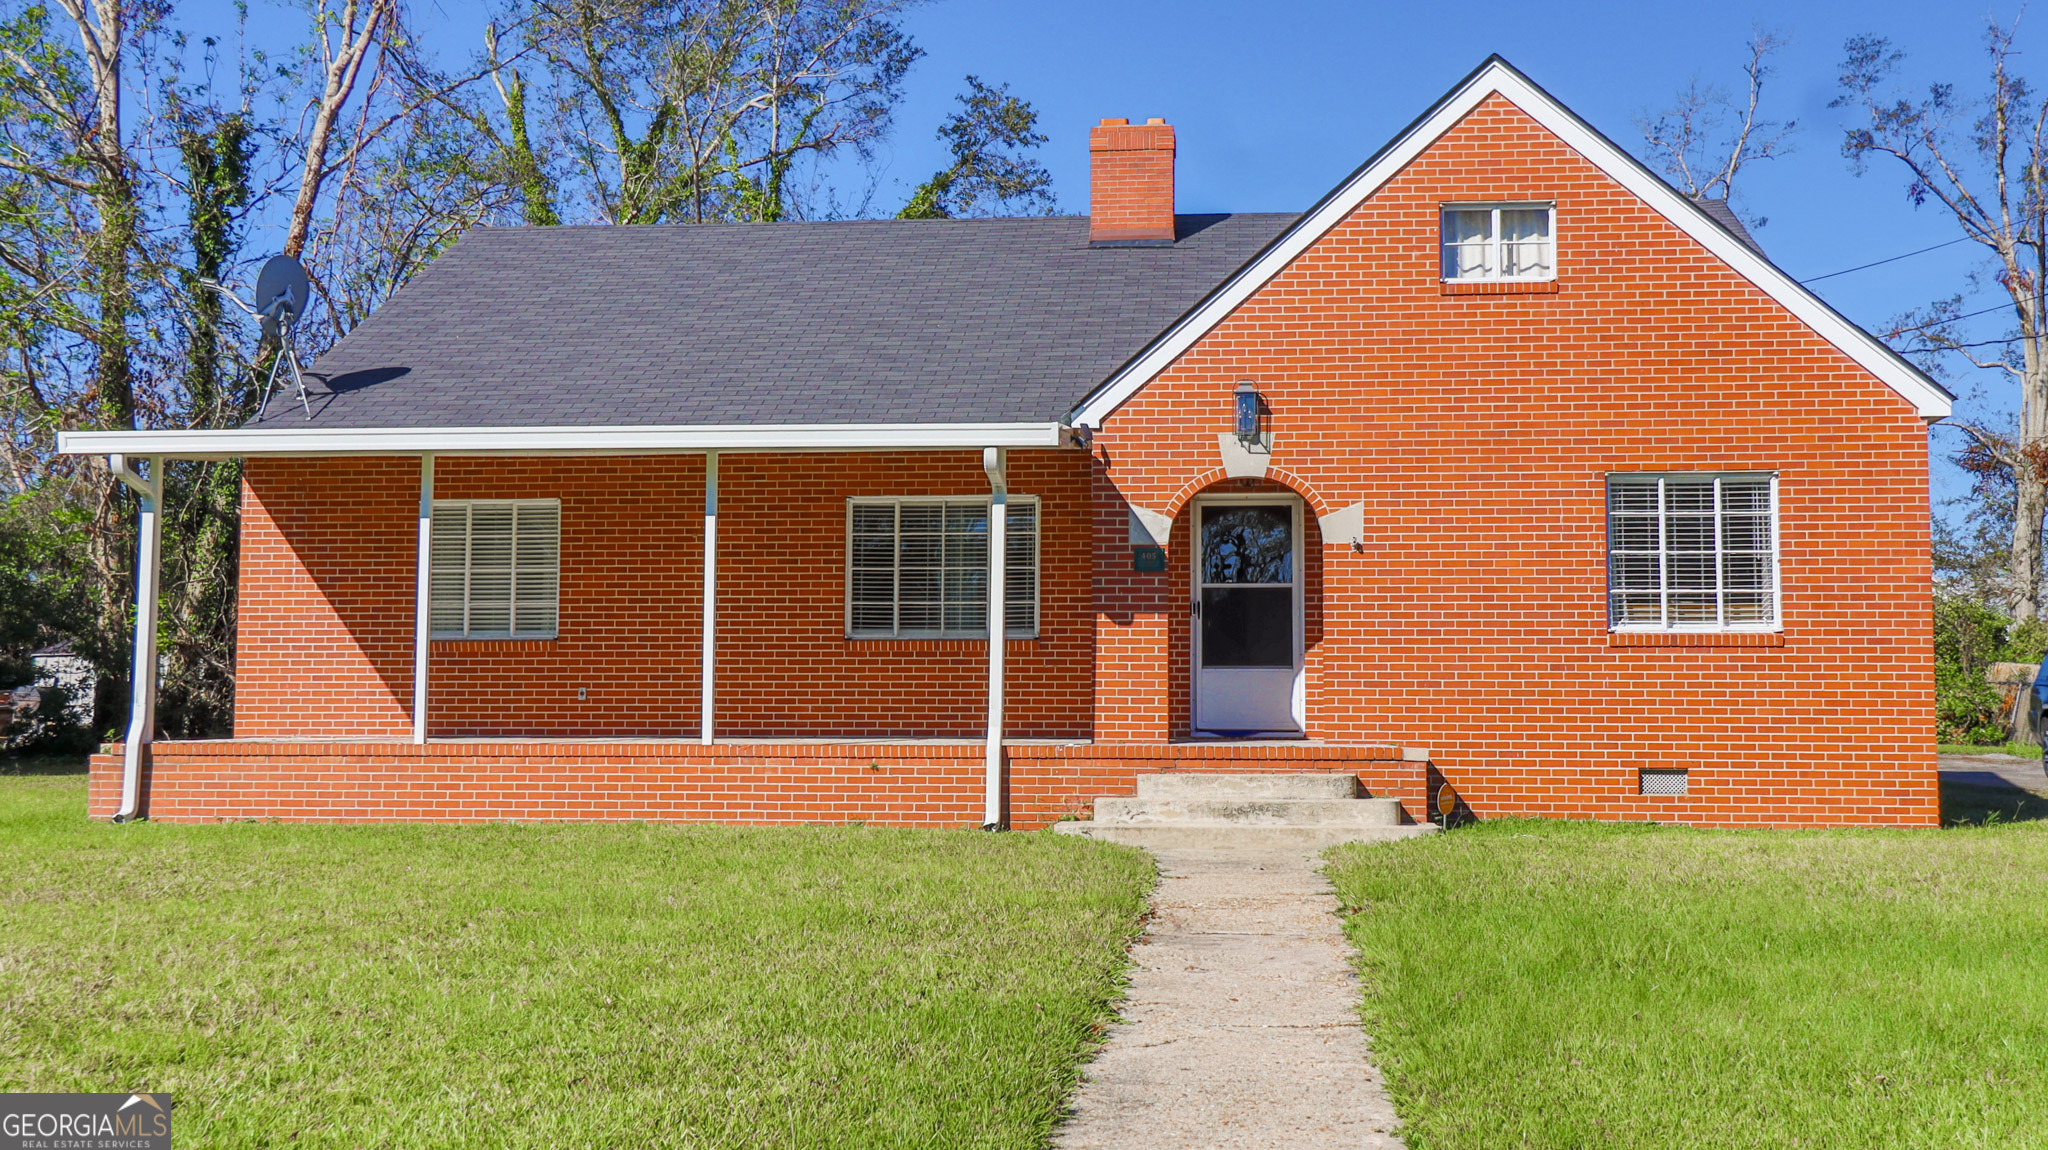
x=1203, y=785
x=1249, y=812
x=1237, y=837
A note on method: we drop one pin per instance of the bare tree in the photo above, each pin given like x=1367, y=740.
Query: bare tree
x=1983, y=162
x=346, y=38
x=1705, y=140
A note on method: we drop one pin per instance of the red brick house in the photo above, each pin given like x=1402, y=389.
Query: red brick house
x=1505, y=466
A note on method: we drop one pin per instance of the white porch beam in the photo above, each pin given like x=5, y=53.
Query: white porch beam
x=706, y=692
x=142, y=680
x=422, y=607
x=546, y=441
x=995, y=461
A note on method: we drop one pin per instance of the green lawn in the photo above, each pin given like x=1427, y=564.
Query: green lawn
x=1544, y=984
x=538, y=985
x=2020, y=750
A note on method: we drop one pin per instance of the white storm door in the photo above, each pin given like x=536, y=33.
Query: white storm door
x=1247, y=607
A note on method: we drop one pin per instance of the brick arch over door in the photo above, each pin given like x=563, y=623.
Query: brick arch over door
x=1217, y=480
x=1180, y=573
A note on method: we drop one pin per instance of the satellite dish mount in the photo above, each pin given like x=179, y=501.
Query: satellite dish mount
x=283, y=292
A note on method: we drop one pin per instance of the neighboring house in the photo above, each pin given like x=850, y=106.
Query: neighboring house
x=1504, y=465
x=74, y=674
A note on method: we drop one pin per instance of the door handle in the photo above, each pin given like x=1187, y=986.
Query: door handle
x=1194, y=608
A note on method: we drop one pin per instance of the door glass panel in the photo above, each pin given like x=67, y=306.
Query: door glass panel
x=1251, y=544
x=1248, y=627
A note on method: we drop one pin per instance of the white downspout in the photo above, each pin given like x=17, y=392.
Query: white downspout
x=995, y=461
x=142, y=682
x=709, y=675
x=422, y=607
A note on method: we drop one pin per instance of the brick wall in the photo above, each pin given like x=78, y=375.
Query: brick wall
x=1477, y=431
x=887, y=783
x=328, y=583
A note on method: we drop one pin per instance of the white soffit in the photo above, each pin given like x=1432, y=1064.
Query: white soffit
x=1498, y=77
x=309, y=441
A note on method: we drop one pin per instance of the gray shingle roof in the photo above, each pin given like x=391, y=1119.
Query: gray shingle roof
x=878, y=321
x=1719, y=212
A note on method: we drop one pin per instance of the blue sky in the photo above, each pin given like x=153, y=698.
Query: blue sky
x=1275, y=102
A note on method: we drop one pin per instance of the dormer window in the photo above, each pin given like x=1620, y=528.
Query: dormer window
x=1497, y=242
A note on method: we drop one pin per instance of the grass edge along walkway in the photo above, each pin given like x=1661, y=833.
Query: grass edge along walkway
x=512, y=985
x=1546, y=984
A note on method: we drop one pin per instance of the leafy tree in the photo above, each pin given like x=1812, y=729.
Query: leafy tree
x=989, y=174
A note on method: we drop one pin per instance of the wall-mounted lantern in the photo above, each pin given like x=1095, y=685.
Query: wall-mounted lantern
x=1249, y=409
x=1247, y=397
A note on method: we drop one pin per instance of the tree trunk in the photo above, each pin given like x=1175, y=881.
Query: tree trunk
x=343, y=66
x=2031, y=504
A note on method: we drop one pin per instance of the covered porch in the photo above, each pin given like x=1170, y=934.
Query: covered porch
x=392, y=740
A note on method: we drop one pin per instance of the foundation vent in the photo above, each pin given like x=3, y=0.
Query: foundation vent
x=1662, y=781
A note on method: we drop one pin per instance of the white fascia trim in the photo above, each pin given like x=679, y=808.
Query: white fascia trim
x=1927, y=398
x=270, y=441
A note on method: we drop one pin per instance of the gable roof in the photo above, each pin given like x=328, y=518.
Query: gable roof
x=1497, y=77
x=705, y=325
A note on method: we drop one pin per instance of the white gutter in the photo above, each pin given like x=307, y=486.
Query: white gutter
x=142, y=682
x=710, y=645
x=309, y=441
x=994, y=461
x=422, y=616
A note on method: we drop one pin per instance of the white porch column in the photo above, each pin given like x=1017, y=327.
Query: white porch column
x=422, y=607
x=705, y=688
x=994, y=461
x=142, y=679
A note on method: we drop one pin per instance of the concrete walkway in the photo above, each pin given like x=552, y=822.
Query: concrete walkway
x=1241, y=1029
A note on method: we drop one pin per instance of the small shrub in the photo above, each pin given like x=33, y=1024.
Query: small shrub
x=1968, y=638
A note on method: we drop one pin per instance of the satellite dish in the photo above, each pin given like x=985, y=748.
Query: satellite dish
x=283, y=292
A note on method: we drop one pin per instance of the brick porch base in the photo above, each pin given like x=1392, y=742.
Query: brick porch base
x=894, y=784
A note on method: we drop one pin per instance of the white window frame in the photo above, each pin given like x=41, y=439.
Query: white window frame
x=1664, y=590
x=512, y=605
x=1037, y=582
x=1443, y=244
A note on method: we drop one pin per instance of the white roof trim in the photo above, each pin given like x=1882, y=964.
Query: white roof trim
x=309, y=441
x=1497, y=76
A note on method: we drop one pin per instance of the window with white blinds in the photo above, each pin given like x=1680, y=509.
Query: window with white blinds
x=1692, y=552
x=917, y=568
x=496, y=570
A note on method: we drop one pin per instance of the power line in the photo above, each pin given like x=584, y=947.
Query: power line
x=1886, y=260
x=1947, y=319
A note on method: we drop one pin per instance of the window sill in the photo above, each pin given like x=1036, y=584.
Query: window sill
x=978, y=640
x=492, y=646
x=1498, y=287
x=1695, y=638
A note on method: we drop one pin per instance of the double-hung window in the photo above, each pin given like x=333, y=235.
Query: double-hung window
x=496, y=570
x=1498, y=242
x=1692, y=552
x=917, y=568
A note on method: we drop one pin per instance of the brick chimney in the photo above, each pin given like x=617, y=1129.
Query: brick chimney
x=1130, y=184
